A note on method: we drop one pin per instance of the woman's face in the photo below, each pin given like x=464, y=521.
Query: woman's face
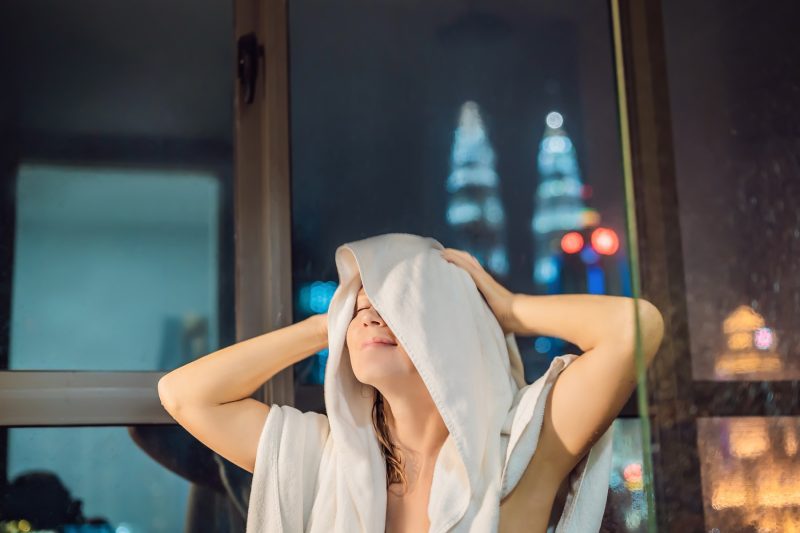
x=376, y=356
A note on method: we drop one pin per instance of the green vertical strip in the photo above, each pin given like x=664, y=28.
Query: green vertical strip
x=627, y=170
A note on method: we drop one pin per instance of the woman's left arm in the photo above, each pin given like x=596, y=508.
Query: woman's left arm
x=591, y=391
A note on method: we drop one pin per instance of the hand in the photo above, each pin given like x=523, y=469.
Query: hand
x=498, y=297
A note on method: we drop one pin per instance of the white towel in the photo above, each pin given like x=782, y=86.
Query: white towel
x=316, y=473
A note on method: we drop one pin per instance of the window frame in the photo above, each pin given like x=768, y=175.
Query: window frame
x=262, y=246
x=675, y=399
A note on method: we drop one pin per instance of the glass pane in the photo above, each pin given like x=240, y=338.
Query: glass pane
x=491, y=127
x=120, y=171
x=751, y=473
x=626, y=506
x=733, y=82
x=114, y=269
x=144, y=479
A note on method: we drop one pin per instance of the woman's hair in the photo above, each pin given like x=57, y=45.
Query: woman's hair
x=394, y=470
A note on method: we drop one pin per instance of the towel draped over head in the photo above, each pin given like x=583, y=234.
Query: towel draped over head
x=317, y=473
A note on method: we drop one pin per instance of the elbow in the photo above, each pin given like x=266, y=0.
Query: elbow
x=166, y=395
x=651, y=325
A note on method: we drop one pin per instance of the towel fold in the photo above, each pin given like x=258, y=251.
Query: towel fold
x=316, y=473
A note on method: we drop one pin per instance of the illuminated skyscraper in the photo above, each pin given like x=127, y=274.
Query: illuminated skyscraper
x=474, y=208
x=559, y=206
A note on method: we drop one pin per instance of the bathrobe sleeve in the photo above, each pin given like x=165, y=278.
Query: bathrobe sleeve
x=589, y=479
x=285, y=475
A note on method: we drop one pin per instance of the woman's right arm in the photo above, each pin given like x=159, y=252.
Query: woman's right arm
x=210, y=396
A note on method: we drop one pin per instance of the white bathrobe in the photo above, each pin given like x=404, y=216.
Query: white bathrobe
x=316, y=473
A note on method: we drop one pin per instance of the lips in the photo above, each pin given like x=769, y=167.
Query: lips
x=379, y=341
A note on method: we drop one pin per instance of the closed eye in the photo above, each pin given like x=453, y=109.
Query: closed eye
x=356, y=313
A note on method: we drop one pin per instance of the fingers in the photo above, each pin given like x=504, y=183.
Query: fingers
x=461, y=257
x=452, y=252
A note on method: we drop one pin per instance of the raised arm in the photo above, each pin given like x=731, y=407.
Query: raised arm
x=587, y=395
x=591, y=391
x=210, y=396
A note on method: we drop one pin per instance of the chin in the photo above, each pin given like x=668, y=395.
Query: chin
x=380, y=374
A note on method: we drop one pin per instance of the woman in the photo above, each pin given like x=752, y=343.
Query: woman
x=423, y=378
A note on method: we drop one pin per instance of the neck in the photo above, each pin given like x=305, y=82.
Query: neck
x=414, y=421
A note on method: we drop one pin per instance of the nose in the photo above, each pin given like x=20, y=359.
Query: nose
x=370, y=316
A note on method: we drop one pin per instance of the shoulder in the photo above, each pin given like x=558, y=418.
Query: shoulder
x=292, y=420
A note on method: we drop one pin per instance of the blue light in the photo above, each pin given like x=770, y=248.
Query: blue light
x=498, y=261
x=556, y=144
x=589, y=256
x=463, y=212
x=319, y=366
x=471, y=177
x=543, y=344
x=316, y=296
x=595, y=280
x=624, y=274
x=493, y=211
x=546, y=270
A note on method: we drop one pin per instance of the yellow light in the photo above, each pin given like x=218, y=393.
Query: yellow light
x=740, y=340
x=732, y=363
x=634, y=485
x=790, y=524
x=772, y=490
x=729, y=493
x=748, y=437
x=743, y=318
x=789, y=441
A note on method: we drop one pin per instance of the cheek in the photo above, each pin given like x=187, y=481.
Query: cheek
x=352, y=342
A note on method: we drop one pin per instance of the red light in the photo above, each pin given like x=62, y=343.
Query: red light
x=572, y=242
x=605, y=241
x=632, y=472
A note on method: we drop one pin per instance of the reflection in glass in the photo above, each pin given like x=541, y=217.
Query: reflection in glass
x=116, y=139
x=114, y=269
x=750, y=347
x=116, y=148
x=142, y=479
x=626, y=507
x=734, y=116
x=751, y=473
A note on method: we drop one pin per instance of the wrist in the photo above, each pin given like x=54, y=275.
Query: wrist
x=319, y=325
x=511, y=324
